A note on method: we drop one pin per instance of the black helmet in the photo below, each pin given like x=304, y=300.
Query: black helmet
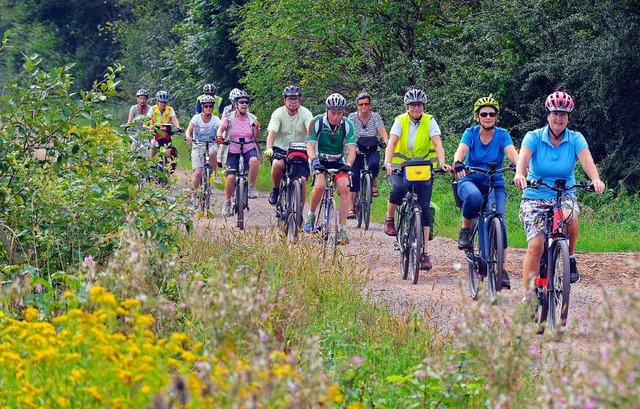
x=292, y=91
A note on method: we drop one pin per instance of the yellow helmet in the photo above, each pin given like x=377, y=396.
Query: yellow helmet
x=486, y=102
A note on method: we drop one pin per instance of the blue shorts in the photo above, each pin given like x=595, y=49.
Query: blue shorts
x=233, y=161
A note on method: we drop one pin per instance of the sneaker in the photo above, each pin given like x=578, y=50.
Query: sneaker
x=425, y=262
x=253, y=193
x=309, y=222
x=351, y=214
x=273, y=197
x=464, y=239
x=390, y=227
x=343, y=237
x=575, y=274
x=226, y=209
x=375, y=192
x=506, y=283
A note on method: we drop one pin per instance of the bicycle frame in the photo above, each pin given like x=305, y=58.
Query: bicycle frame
x=284, y=205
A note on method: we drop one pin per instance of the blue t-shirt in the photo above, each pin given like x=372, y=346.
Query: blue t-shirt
x=480, y=154
x=551, y=163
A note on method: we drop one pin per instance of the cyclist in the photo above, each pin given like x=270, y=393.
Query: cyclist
x=223, y=149
x=202, y=129
x=551, y=153
x=240, y=123
x=141, y=107
x=289, y=123
x=209, y=90
x=480, y=145
x=328, y=135
x=161, y=114
x=415, y=135
x=369, y=129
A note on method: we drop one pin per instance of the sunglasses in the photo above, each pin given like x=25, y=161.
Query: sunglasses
x=207, y=106
x=487, y=114
x=243, y=102
x=364, y=104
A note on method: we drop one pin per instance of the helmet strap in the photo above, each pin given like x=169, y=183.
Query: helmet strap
x=557, y=137
x=487, y=128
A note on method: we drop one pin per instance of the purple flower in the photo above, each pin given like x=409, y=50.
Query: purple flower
x=183, y=305
x=200, y=283
x=631, y=377
x=357, y=360
x=88, y=260
x=172, y=308
x=533, y=350
x=38, y=288
x=451, y=368
x=31, y=251
x=264, y=316
x=421, y=374
x=590, y=404
x=565, y=378
x=182, y=276
x=282, y=292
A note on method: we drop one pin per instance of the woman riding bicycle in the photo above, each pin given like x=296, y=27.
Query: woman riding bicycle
x=551, y=153
x=480, y=145
x=141, y=107
x=414, y=136
x=369, y=129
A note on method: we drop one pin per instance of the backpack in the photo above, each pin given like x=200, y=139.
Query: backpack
x=434, y=210
x=343, y=127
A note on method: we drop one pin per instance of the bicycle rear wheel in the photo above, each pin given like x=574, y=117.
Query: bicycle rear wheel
x=365, y=196
x=240, y=199
x=206, y=191
x=358, y=208
x=495, y=262
x=401, y=241
x=294, y=214
x=414, y=244
x=473, y=260
x=559, y=289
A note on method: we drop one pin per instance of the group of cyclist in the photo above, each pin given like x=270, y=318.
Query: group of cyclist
x=548, y=153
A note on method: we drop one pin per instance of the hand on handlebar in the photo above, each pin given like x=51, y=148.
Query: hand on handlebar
x=598, y=186
x=345, y=168
x=389, y=168
x=520, y=181
x=268, y=152
x=445, y=168
x=315, y=163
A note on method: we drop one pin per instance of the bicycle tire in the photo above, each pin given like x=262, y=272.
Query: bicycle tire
x=358, y=208
x=559, y=289
x=332, y=224
x=240, y=198
x=401, y=241
x=415, y=244
x=472, y=254
x=541, y=312
x=206, y=191
x=294, y=217
x=495, y=261
x=281, y=207
x=366, y=192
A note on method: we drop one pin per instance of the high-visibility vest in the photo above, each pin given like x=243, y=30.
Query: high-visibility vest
x=423, y=147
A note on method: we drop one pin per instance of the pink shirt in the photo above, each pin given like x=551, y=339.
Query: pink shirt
x=241, y=128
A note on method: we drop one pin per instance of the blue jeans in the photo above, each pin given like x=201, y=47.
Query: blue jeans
x=471, y=192
x=399, y=189
x=374, y=168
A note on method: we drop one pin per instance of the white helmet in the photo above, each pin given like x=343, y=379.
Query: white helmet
x=415, y=95
x=233, y=93
x=162, y=96
x=207, y=99
x=241, y=94
x=336, y=101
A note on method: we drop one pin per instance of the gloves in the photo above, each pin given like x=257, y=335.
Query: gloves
x=268, y=152
x=458, y=166
x=315, y=163
x=345, y=168
x=219, y=140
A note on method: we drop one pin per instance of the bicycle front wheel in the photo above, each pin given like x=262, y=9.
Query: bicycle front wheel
x=332, y=224
x=365, y=196
x=206, y=191
x=294, y=214
x=474, y=263
x=495, y=261
x=401, y=240
x=414, y=243
x=559, y=289
x=240, y=198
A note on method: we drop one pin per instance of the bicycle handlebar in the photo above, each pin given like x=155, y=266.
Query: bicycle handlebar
x=560, y=185
x=490, y=171
x=436, y=171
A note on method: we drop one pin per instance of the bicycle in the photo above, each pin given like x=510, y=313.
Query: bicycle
x=168, y=153
x=289, y=205
x=240, y=198
x=485, y=257
x=365, y=193
x=408, y=217
x=206, y=190
x=553, y=285
x=326, y=225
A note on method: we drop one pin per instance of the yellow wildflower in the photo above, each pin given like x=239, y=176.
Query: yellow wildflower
x=356, y=405
x=130, y=303
x=145, y=320
x=76, y=375
x=31, y=314
x=93, y=391
x=62, y=401
x=145, y=389
x=69, y=295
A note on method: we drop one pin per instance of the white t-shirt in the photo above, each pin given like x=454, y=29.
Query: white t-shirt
x=204, y=132
x=396, y=129
x=290, y=128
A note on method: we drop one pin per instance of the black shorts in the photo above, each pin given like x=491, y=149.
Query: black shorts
x=295, y=169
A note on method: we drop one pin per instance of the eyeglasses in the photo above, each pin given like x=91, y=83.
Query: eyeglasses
x=243, y=102
x=292, y=99
x=364, y=104
x=487, y=114
x=207, y=106
x=416, y=104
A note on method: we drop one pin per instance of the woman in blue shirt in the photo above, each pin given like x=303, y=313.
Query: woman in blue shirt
x=479, y=146
x=551, y=153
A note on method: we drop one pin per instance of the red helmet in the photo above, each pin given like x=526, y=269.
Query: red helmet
x=559, y=101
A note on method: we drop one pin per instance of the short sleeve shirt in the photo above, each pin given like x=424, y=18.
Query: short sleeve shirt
x=550, y=163
x=368, y=129
x=396, y=129
x=134, y=111
x=241, y=128
x=290, y=128
x=481, y=154
x=204, y=132
x=328, y=141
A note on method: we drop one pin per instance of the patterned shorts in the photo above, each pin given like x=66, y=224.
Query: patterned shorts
x=533, y=214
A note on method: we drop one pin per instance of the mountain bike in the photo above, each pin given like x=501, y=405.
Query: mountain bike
x=553, y=285
x=408, y=217
x=240, y=198
x=485, y=256
x=326, y=224
x=289, y=205
x=206, y=190
x=365, y=192
x=167, y=163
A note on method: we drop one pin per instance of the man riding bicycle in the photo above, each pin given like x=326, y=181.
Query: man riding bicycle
x=414, y=136
x=162, y=114
x=288, y=124
x=328, y=135
x=210, y=91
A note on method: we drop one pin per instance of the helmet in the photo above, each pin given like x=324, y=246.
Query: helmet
x=209, y=89
x=415, y=95
x=162, y=96
x=363, y=95
x=336, y=101
x=241, y=94
x=292, y=91
x=486, y=102
x=207, y=99
x=233, y=93
x=559, y=101
x=142, y=93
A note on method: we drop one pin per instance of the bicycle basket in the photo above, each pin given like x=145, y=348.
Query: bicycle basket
x=367, y=144
x=417, y=171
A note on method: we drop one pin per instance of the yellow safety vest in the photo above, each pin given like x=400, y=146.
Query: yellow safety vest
x=423, y=147
x=160, y=118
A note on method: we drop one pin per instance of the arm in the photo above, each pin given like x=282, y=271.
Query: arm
x=388, y=153
x=511, y=153
x=221, y=129
x=174, y=120
x=189, y=132
x=351, y=154
x=586, y=160
x=520, y=179
x=437, y=142
x=459, y=156
x=130, y=117
x=383, y=134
